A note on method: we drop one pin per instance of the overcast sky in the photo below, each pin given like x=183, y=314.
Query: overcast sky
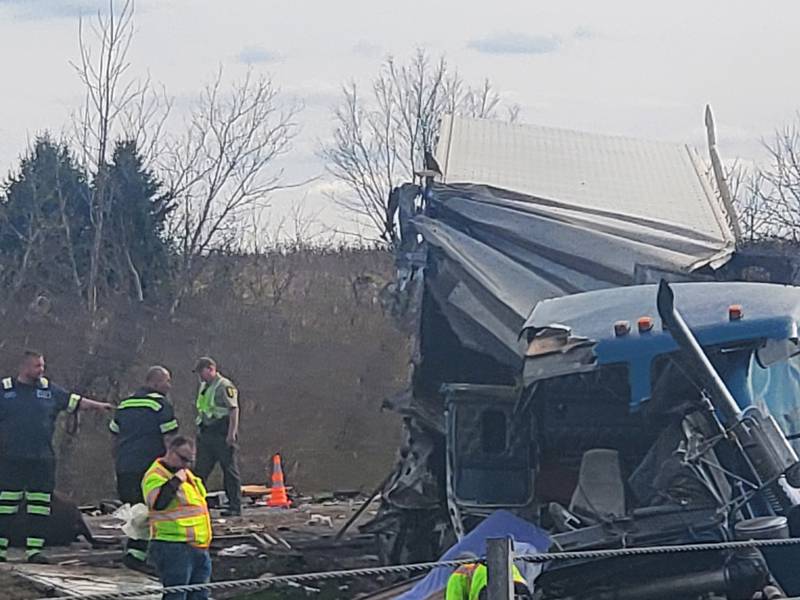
x=643, y=69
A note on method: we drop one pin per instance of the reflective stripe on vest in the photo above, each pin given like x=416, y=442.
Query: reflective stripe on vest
x=186, y=518
x=8, y=383
x=207, y=408
x=146, y=402
x=74, y=401
x=181, y=512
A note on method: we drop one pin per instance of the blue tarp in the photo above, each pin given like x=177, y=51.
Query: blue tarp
x=528, y=539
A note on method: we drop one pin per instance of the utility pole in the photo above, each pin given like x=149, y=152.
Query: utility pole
x=499, y=561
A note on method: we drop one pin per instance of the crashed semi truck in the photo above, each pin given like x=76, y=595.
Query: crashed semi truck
x=554, y=376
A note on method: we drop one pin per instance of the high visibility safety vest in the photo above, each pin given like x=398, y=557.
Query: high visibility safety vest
x=468, y=581
x=207, y=408
x=186, y=518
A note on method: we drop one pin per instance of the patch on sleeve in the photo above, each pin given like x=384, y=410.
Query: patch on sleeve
x=230, y=391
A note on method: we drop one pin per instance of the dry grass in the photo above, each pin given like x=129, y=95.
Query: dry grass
x=303, y=335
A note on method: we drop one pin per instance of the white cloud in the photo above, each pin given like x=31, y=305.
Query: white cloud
x=255, y=54
x=516, y=43
x=620, y=66
x=584, y=33
x=367, y=49
x=50, y=9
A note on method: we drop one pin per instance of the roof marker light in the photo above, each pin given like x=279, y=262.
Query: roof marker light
x=735, y=312
x=622, y=328
x=645, y=324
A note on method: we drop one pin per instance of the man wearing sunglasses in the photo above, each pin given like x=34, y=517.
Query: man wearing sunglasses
x=180, y=526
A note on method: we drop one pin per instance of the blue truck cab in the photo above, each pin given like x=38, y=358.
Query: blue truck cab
x=613, y=435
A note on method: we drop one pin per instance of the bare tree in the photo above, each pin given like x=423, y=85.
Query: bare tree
x=109, y=91
x=116, y=105
x=753, y=208
x=482, y=102
x=29, y=238
x=779, y=184
x=767, y=195
x=381, y=138
x=269, y=274
x=102, y=69
x=223, y=166
x=67, y=231
x=364, y=156
x=144, y=121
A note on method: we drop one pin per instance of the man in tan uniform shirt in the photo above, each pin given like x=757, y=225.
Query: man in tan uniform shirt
x=218, y=425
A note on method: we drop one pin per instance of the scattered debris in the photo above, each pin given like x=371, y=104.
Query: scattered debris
x=80, y=581
x=135, y=520
x=263, y=541
x=320, y=520
x=239, y=550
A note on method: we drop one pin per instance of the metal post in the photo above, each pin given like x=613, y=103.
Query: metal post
x=499, y=560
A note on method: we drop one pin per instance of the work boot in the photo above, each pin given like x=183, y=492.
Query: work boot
x=228, y=512
x=38, y=559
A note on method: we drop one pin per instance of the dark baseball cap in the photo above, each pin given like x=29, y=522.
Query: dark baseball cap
x=204, y=362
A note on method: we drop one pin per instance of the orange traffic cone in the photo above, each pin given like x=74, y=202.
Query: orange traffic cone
x=277, y=493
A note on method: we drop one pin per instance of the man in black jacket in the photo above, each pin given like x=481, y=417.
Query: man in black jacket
x=29, y=406
x=140, y=425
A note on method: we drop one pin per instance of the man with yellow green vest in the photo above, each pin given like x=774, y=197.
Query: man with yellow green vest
x=469, y=581
x=218, y=425
x=180, y=526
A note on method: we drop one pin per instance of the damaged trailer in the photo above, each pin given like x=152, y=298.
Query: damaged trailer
x=604, y=438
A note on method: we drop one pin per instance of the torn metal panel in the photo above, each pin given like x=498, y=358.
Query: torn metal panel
x=526, y=213
x=580, y=358
x=494, y=254
x=414, y=484
x=773, y=312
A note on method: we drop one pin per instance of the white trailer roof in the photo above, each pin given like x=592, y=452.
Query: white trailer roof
x=610, y=175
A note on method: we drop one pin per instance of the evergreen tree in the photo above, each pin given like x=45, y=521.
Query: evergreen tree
x=46, y=229
x=137, y=211
x=44, y=221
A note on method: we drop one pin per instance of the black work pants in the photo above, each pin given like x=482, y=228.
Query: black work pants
x=32, y=480
x=212, y=449
x=129, y=489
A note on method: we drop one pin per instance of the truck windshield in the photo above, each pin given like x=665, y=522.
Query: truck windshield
x=775, y=387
